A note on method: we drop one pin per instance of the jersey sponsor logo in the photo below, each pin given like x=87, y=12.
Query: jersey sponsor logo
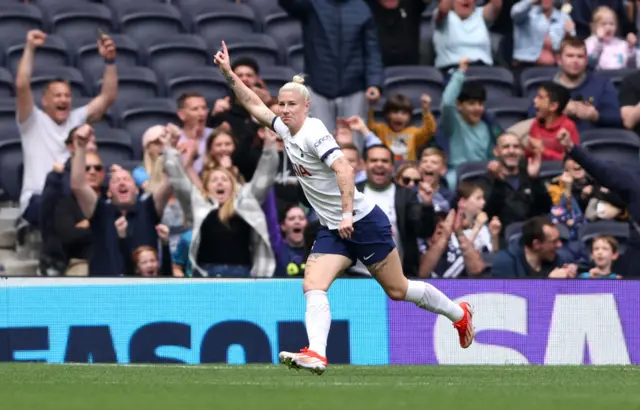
x=321, y=140
x=301, y=171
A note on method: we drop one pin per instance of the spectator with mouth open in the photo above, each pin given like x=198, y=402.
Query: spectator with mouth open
x=192, y=111
x=43, y=132
x=141, y=216
x=290, y=252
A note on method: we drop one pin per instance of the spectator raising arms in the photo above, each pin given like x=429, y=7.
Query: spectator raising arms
x=606, y=50
x=230, y=236
x=43, y=132
x=397, y=133
x=538, y=30
x=462, y=32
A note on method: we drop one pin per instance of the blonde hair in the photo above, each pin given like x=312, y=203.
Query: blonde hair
x=598, y=14
x=153, y=167
x=297, y=84
x=226, y=210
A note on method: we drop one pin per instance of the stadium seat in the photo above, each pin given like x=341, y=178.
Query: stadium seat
x=498, y=81
x=52, y=53
x=16, y=19
x=513, y=232
x=531, y=78
x=295, y=58
x=50, y=7
x=551, y=169
x=91, y=63
x=474, y=171
x=123, y=5
x=9, y=130
x=275, y=77
x=114, y=145
x=286, y=30
x=260, y=47
x=264, y=8
x=612, y=144
x=413, y=81
x=508, y=111
x=205, y=80
x=11, y=168
x=147, y=22
x=616, y=76
x=79, y=23
x=6, y=83
x=7, y=114
x=223, y=20
x=134, y=83
x=42, y=76
x=144, y=115
x=177, y=52
x=619, y=230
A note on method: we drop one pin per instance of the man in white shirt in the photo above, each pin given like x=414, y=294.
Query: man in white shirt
x=43, y=132
x=409, y=218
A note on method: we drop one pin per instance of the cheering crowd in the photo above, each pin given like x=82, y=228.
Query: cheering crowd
x=468, y=192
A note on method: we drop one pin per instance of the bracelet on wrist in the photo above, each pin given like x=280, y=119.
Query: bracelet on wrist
x=347, y=215
x=109, y=61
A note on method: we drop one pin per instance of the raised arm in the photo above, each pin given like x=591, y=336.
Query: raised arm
x=265, y=175
x=491, y=11
x=24, y=100
x=84, y=194
x=247, y=98
x=109, y=91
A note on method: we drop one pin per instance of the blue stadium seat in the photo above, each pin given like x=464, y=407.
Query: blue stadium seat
x=551, y=169
x=123, y=5
x=6, y=83
x=295, y=58
x=264, y=8
x=7, y=115
x=205, y=80
x=177, y=52
x=144, y=115
x=50, y=7
x=223, y=20
x=612, y=144
x=275, y=77
x=114, y=144
x=78, y=23
x=147, y=22
x=619, y=230
x=52, y=53
x=134, y=83
x=260, y=47
x=471, y=171
x=9, y=131
x=91, y=63
x=498, y=81
x=11, y=167
x=513, y=232
x=616, y=76
x=413, y=81
x=508, y=111
x=42, y=76
x=531, y=78
x=285, y=29
x=16, y=19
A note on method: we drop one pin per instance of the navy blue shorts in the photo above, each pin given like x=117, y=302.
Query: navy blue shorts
x=371, y=240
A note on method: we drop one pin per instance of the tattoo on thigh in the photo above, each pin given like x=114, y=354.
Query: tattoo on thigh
x=377, y=267
x=314, y=257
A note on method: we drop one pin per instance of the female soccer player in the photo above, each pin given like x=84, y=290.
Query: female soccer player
x=352, y=228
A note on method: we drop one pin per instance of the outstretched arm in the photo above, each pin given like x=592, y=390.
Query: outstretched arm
x=247, y=98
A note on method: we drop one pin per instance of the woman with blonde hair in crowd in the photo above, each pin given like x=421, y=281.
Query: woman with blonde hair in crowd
x=408, y=175
x=149, y=176
x=230, y=234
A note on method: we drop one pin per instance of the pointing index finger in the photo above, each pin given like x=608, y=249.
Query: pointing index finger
x=224, y=49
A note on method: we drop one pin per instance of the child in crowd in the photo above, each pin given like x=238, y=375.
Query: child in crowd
x=604, y=251
x=433, y=166
x=550, y=103
x=470, y=132
x=485, y=238
x=605, y=50
x=181, y=266
x=402, y=138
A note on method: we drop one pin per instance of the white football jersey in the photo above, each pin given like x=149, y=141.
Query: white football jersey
x=312, y=151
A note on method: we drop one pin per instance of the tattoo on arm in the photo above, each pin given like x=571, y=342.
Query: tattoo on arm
x=346, y=183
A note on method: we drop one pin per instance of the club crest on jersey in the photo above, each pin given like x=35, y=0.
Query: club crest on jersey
x=321, y=140
x=301, y=171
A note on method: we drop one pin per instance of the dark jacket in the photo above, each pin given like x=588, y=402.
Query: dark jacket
x=622, y=179
x=341, y=50
x=76, y=242
x=414, y=221
x=516, y=205
x=511, y=263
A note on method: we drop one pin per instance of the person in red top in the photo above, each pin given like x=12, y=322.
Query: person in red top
x=550, y=103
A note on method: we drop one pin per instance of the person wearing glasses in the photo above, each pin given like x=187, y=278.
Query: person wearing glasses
x=409, y=218
x=408, y=175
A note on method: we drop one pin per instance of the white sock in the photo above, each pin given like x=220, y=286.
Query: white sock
x=318, y=320
x=427, y=297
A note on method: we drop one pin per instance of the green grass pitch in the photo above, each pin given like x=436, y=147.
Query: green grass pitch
x=254, y=387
